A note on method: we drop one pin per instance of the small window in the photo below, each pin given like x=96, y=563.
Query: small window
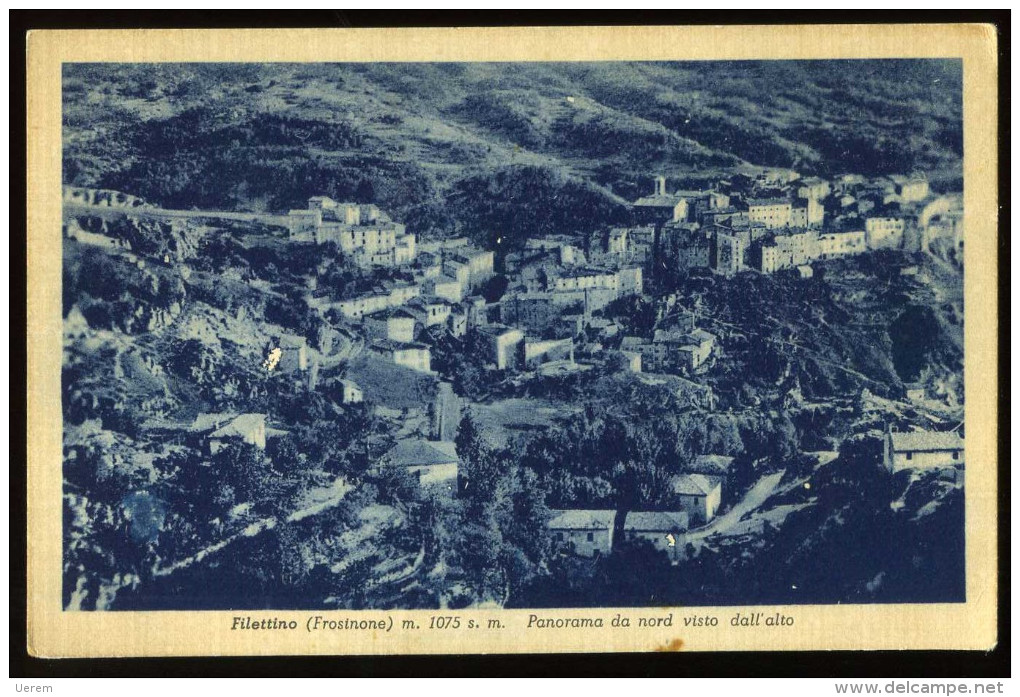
x=956, y=454
x=910, y=456
x=591, y=537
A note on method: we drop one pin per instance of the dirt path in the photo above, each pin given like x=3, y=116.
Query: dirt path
x=753, y=499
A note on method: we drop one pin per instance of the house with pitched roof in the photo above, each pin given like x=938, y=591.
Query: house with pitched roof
x=430, y=310
x=352, y=392
x=293, y=353
x=217, y=431
x=430, y=464
x=538, y=351
x=923, y=450
x=501, y=344
x=584, y=532
x=698, y=495
x=660, y=207
x=662, y=529
x=394, y=324
x=813, y=188
x=409, y=354
x=687, y=350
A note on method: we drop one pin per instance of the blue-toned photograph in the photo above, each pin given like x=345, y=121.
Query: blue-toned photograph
x=512, y=335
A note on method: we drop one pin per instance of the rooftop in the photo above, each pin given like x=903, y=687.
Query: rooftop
x=207, y=422
x=409, y=453
x=583, y=519
x=656, y=521
x=669, y=336
x=388, y=346
x=659, y=201
x=583, y=272
x=496, y=329
x=464, y=256
x=775, y=201
x=694, y=484
x=926, y=441
x=240, y=426
x=633, y=342
x=702, y=335
x=390, y=313
x=428, y=300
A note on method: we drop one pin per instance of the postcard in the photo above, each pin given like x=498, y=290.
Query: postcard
x=446, y=341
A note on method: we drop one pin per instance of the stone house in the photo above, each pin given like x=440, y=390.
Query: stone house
x=540, y=351
x=458, y=323
x=216, y=431
x=429, y=310
x=660, y=207
x=774, y=213
x=813, y=188
x=698, y=495
x=923, y=450
x=884, y=232
x=662, y=529
x=430, y=465
x=394, y=325
x=445, y=287
x=584, y=532
x=501, y=344
x=408, y=354
x=351, y=392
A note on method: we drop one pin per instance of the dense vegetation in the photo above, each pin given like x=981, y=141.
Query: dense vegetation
x=183, y=323
x=453, y=148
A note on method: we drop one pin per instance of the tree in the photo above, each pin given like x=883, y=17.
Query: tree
x=527, y=525
x=480, y=466
x=365, y=193
x=246, y=468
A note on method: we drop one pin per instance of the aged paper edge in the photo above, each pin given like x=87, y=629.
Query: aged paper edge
x=53, y=632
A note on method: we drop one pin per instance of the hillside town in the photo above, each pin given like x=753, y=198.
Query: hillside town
x=519, y=335
x=557, y=288
x=557, y=307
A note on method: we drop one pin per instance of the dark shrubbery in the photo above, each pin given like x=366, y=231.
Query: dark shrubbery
x=503, y=210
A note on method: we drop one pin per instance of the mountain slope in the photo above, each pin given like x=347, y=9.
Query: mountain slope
x=258, y=137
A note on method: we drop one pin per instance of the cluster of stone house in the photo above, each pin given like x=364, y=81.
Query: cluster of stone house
x=542, y=274
x=507, y=348
x=593, y=532
x=445, y=277
x=558, y=286
x=442, y=292
x=554, y=293
x=781, y=221
x=365, y=234
x=694, y=500
x=672, y=350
